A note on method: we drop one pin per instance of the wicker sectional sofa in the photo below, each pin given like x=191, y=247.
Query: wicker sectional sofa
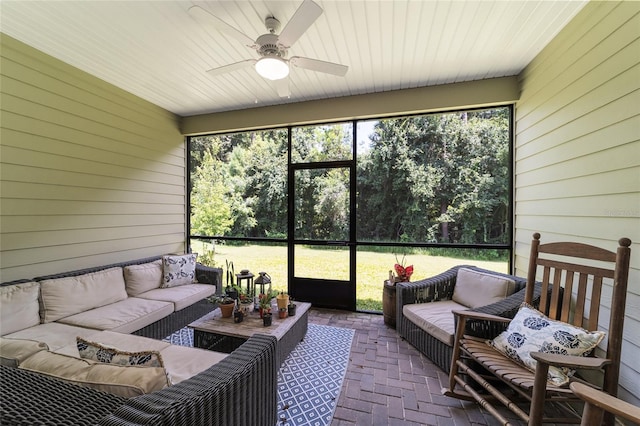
x=416, y=301
x=45, y=380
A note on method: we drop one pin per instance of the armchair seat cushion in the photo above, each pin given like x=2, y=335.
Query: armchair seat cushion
x=435, y=318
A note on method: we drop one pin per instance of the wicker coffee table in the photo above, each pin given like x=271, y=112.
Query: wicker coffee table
x=223, y=335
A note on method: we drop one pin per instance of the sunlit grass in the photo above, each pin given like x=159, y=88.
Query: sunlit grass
x=372, y=268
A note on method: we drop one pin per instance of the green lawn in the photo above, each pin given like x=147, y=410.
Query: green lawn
x=372, y=267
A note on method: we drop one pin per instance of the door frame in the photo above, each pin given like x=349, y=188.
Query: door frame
x=336, y=294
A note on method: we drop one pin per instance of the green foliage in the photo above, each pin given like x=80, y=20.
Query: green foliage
x=441, y=178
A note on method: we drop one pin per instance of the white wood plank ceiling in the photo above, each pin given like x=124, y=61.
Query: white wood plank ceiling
x=159, y=52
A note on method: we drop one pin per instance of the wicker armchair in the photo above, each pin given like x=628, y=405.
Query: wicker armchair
x=440, y=287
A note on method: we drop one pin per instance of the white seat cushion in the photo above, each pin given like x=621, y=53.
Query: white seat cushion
x=125, y=316
x=54, y=334
x=435, y=318
x=183, y=362
x=181, y=296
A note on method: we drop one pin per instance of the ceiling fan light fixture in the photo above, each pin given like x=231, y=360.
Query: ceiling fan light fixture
x=272, y=68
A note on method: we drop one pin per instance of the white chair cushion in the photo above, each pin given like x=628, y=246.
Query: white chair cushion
x=54, y=334
x=474, y=289
x=435, y=318
x=182, y=362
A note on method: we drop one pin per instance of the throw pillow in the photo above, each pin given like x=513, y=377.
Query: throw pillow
x=532, y=331
x=178, y=270
x=474, y=289
x=110, y=355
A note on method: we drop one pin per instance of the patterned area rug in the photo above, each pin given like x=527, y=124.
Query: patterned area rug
x=310, y=379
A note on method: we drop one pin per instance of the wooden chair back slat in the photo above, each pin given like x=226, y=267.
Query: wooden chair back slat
x=552, y=310
x=581, y=297
x=566, y=299
x=544, y=302
x=594, y=310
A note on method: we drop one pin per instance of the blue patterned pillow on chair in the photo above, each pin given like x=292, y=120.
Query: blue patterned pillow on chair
x=532, y=331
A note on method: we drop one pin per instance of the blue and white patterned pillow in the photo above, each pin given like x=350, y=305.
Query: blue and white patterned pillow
x=531, y=331
x=178, y=270
x=109, y=355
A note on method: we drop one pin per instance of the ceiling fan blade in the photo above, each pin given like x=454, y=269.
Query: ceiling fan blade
x=320, y=66
x=282, y=86
x=206, y=18
x=301, y=20
x=231, y=67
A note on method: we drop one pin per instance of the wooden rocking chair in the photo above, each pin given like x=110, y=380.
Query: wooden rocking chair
x=580, y=270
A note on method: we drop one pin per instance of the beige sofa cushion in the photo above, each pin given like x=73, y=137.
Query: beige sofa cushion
x=143, y=277
x=19, y=307
x=54, y=334
x=63, y=297
x=183, y=362
x=435, y=318
x=14, y=351
x=125, y=316
x=474, y=289
x=181, y=296
x=127, y=381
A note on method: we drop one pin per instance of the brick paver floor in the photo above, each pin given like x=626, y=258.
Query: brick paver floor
x=388, y=382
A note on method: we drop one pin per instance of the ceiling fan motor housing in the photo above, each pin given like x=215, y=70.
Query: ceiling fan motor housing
x=268, y=46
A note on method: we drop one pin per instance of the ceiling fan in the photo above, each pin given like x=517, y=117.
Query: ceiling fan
x=272, y=47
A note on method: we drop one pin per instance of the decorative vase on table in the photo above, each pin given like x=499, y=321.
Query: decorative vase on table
x=283, y=300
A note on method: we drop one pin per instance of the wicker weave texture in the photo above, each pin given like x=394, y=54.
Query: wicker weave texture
x=33, y=399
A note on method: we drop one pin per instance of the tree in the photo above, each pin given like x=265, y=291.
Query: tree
x=210, y=211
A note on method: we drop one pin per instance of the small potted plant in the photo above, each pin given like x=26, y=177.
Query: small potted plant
x=225, y=303
x=246, y=303
x=266, y=319
x=264, y=302
x=282, y=313
x=291, y=307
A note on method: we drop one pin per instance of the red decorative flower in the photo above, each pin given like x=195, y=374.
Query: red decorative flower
x=403, y=273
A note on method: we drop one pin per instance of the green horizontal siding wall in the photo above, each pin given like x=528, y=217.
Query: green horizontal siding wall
x=578, y=150
x=90, y=174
